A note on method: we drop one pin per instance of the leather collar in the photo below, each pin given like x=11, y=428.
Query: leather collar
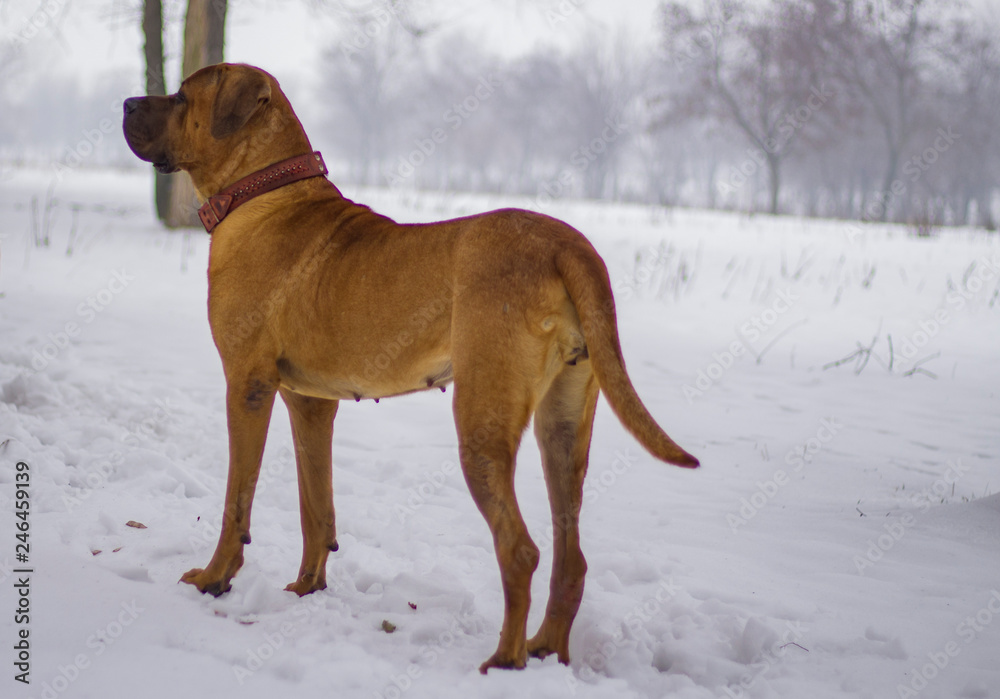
x=220, y=205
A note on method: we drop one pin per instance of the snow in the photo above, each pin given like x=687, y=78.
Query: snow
x=840, y=540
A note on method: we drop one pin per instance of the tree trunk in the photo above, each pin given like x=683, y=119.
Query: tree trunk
x=774, y=179
x=152, y=29
x=887, y=182
x=215, y=47
x=984, y=210
x=204, y=39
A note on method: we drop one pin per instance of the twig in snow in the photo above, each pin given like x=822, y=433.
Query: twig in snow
x=729, y=284
x=801, y=267
x=866, y=283
x=50, y=205
x=845, y=360
x=35, y=236
x=780, y=335
x=968, y=273
x=75, y=208
x=866, y=352
x=917, y=369
x=862, y=354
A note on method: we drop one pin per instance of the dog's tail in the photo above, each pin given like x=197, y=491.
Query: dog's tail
x=586, y=279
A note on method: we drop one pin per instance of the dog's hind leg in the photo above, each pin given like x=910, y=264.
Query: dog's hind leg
x=491, y=414
x=564, y=422
x=312, y=430
x=248, y=410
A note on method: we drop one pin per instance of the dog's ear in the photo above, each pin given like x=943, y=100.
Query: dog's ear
x=240, y=94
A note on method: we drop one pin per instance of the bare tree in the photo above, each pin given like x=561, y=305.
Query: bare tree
x=152, y=30
x=889, y=54
x=812, y=106
x=758, y=70
x=369, y=67
x=204, y=39
x=974, y=177
x=603, y=84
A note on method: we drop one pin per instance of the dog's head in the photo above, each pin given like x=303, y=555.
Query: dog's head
x=224, y=122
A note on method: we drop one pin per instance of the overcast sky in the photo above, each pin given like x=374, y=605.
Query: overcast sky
x=95, y=46
x=94, y=41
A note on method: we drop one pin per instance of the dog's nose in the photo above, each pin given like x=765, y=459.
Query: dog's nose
x=131, y=104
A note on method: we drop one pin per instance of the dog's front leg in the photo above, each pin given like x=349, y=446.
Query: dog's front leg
x=248, y=409
x=312, y=430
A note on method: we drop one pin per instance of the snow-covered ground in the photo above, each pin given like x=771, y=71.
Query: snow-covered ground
x=841, y=540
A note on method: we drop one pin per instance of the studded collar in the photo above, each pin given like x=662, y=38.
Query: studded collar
x=270, y=178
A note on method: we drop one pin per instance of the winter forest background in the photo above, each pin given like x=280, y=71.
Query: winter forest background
x=857, y=109
x=837, y=378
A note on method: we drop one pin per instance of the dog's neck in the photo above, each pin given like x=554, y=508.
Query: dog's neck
x=267, y=179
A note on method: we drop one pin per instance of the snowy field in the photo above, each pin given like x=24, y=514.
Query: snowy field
x=841, y=540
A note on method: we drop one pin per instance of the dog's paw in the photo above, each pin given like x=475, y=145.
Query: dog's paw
x=541, y=648
x=305, y=585
x=541, y=652
x=504, y=662
x=205, y=583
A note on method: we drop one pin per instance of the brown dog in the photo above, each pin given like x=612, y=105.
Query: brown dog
x=319, y=299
